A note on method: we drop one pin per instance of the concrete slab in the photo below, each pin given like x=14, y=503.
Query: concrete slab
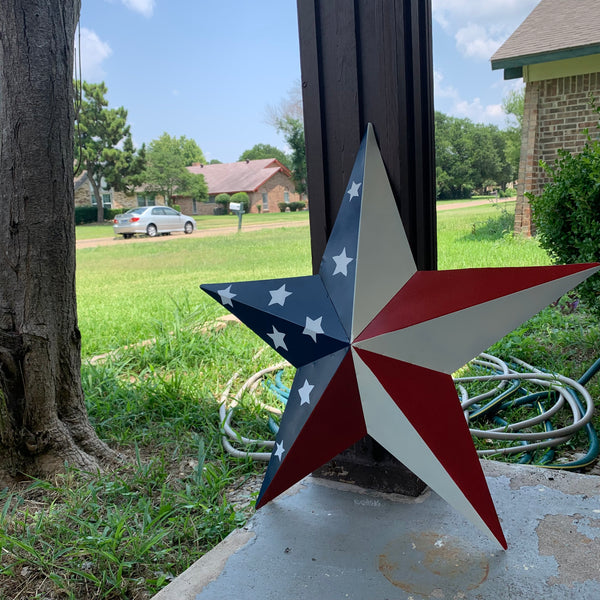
x=328, y=541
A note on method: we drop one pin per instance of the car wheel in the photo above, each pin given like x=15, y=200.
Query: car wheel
x=151, y=230
x=188, y=227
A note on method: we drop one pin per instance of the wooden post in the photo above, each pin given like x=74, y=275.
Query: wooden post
x=369, y=61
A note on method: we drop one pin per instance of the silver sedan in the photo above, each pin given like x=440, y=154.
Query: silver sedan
x=153, y=221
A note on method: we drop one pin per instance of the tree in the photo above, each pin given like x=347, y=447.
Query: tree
x=469, y=156
x=287, y=118
x=259, y=151
x=191, y=151
x=293, y=133
x=514, y=105
x=103, y=145
x=43, y=419
x=166, y=173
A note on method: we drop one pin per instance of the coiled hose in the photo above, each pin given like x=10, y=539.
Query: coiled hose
x=560, y=394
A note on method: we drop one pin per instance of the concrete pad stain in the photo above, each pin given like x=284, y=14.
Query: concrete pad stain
x=576, y=553
x=446, y=565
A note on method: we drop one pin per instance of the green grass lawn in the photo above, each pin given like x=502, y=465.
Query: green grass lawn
x=127, y=533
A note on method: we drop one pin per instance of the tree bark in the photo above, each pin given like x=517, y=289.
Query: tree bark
x=43, y=419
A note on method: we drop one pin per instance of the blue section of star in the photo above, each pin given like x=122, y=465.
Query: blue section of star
x=295, y=316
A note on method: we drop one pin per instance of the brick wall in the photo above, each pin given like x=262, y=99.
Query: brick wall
x=555, y=113
x=275, y=189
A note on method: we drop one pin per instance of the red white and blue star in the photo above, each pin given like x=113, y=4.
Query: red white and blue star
x=375, y=342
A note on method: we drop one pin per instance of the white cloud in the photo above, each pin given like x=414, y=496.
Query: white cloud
x=144, y=7
x=474, y=41
x=480, y=26
x=93, y=53
x=457, y=106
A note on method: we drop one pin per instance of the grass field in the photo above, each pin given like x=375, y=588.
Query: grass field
x=126, y=533
x=123, y=292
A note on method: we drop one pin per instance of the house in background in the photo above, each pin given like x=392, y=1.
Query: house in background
x=84, y=196
x=266, y=181
x=556, y=51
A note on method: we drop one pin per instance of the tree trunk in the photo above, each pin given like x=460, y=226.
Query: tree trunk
x=43, y=420
x=97, y=195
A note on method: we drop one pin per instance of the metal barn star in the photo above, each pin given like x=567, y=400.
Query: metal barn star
x=375, y=341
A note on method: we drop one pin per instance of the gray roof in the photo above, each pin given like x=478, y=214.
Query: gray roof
x=555, y=29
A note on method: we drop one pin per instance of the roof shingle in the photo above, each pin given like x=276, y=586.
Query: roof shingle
x=229, y=178
x=551, y=27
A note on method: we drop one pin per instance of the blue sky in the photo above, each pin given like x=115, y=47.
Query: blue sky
x=208, y=69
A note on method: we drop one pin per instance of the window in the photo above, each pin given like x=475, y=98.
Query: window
x=146, y=200
x=106, y=199
x=265, y=202
x=286, y=197
x=194, y=206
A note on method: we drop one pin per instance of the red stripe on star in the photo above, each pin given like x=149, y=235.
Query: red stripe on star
x=431, y=294
x=434, y=417
x=336, y=423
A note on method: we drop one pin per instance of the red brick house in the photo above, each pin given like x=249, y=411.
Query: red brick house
x=266, y=181
x=556, y=51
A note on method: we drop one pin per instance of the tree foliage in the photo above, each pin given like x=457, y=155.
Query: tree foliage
x=293, y=133
x=166, y=173
x=469, y=156
x=566, y=213
x=514, y=106
x=287, y=118
x=259, y=151
x=103, y=145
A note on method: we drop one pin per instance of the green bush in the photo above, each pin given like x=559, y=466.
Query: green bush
x=294, y=206
x=223, y=201
x=282, y=206
x=111, y=213
x=566, y=213
x=85, y=214
x=243, y=199
x=176, y=207
x=89, y=214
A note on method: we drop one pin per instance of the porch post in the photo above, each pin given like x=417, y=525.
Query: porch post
x=369, y=61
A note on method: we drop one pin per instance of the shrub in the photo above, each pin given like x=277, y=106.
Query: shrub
x=294, y=206
x=566, y=213
x=243, y=199
x=223, y=201
x=111, y=213
x=282, y=206
x=85, y=214
x=176, y=207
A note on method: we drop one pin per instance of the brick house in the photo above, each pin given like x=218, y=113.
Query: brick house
x=556, y=51
x=266, y=181
x=84, y=196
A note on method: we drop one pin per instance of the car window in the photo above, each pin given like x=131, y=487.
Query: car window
x=158, y=211
x=170, y=211
x=136, y=211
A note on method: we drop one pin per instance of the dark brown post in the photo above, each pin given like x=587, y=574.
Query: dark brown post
x=369, y=61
